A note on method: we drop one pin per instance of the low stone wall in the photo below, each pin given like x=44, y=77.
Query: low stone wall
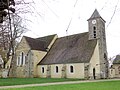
x=3, y=73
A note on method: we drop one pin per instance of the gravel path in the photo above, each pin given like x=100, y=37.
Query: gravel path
x=56, y=83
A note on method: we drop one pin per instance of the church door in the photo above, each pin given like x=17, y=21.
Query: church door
x=94, y=73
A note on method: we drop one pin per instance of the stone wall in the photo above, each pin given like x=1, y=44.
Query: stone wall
x=3, y=73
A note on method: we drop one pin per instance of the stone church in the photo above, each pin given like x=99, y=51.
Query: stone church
x=82, y=55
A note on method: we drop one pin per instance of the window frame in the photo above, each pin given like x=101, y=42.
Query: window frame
x=43, y=69
x=71, y=69
x=22, y=58
x=56, y=69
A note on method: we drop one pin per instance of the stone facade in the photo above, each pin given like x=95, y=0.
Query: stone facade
x=26, y=59
x=97, y=31
x=114, y=71
x=62, y=70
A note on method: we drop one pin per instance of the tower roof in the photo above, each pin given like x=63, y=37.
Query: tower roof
x=96, y=15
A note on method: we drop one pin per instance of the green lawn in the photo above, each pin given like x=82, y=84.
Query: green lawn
x=22, y=81
x=107, y=85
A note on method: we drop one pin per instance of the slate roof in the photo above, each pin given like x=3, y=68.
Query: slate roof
x=39, y=43
x=70, y=49
x=47, y=39
x=117, y=60
x=96, y=15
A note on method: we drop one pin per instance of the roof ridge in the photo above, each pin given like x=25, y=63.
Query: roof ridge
x=73, y=35
x=45, y=36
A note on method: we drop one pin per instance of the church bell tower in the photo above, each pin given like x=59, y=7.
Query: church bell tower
x=96, y=26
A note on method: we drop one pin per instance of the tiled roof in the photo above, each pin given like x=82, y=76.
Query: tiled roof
x=117, y=60
x=47, y=39
x=70, y=49
x=39, y=43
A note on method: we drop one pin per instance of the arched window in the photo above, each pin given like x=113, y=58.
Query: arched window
x=94, y=28
x=43, y=70
x=56, y=69
x=22, y=58
x=71, y=69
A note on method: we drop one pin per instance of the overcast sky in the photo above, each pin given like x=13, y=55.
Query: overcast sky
x=53, y=17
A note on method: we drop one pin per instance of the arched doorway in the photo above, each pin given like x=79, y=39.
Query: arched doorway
x=94, y=73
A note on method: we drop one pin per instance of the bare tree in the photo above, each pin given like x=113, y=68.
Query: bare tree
x=13, y=27
x=8, y=37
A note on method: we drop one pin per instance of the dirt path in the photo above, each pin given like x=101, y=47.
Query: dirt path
x=56, y=83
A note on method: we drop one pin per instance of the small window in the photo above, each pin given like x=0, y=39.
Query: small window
x=94, y=32
x=71, y=69
x=94, y=35
x=22, y=58
x=94, y=28
x=43, y=70
x=56, y=69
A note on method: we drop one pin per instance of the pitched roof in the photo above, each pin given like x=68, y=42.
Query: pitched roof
x=70, y=49
x=95, y=15
x=39, y=43
x=47, y=39
x=117, y=60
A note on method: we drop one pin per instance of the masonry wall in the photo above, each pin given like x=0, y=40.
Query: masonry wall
x=37, y=57
x=55, y=74
x=78, y=70
x=20, y=69
x=63, y=71
x=116, y=71
x=39, y=70
x=95, y=63
x=112, y=73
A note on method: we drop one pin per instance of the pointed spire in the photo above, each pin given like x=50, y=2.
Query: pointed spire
x=95, y=15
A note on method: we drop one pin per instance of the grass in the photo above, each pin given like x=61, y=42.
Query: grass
x=23, y=81
x=107, y=85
